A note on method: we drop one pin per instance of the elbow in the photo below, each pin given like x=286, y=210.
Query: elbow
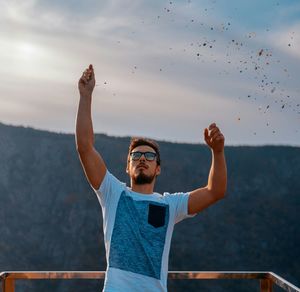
x=218, y=194
x=219, y=191
x=222, y=192
x=221, y=195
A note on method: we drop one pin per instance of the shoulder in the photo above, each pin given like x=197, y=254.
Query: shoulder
x=175, y=197
x=110, y=181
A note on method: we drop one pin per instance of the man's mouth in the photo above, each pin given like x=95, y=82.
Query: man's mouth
x=142, y=166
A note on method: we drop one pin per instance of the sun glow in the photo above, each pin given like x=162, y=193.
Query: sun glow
x=27, y=51
x=24, y=58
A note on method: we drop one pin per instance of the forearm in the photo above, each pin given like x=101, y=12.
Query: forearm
x=84, y=124
x=217, y=180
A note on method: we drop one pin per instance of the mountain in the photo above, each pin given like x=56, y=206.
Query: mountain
x=51, y=219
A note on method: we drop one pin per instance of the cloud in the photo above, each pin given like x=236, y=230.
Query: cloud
x=287, y=40
x=158, y=71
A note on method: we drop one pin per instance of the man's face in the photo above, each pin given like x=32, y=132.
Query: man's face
x=142, y=171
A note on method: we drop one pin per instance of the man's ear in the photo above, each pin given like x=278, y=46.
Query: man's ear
x=158, y=170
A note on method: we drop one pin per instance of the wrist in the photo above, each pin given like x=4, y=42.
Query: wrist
x=86, y=96
x=218, y=151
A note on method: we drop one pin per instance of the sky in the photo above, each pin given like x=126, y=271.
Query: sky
x=164, y=69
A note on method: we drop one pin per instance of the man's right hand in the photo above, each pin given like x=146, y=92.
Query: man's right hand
x=87, y=82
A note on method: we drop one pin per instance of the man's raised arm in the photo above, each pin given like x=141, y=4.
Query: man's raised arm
x=201, y=198
x=92, y=163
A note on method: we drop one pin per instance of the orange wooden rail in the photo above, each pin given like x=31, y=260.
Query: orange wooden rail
x=267, y=279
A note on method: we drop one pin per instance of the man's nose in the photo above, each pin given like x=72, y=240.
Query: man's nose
x=142, y=157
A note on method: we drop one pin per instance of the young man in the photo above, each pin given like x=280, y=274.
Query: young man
x=137, y=222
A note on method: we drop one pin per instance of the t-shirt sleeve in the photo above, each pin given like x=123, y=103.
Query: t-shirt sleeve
x=179, y=203
x=109, y=190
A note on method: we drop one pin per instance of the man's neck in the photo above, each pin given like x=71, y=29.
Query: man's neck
x=146, y=189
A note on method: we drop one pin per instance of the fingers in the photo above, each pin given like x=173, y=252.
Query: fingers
x=212, y=130
x=91, y=70
x=206, y=136
x=89, y=73
x=206, y=133
x=218, y=137
x=211, y=126
x=212, y=133
x=215, y=135
x=83, y=79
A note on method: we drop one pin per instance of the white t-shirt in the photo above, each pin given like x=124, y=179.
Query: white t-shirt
x=137, y=235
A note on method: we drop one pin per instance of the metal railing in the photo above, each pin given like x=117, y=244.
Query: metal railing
x=267, y=279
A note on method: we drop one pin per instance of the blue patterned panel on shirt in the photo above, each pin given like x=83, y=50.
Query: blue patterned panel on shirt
x=138, y=237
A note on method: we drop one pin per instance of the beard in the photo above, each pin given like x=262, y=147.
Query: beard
x=142, y=179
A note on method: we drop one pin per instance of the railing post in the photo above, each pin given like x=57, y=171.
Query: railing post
x=266, y=285
x=8, y=285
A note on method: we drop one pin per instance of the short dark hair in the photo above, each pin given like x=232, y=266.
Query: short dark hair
x=139, y=141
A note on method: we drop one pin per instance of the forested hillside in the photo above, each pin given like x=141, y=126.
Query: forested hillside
x=50, y=219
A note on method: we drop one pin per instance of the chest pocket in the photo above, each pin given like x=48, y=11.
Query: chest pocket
x=156, y=215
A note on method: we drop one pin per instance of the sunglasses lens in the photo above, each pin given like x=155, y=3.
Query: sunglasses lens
x=136, y=155
x=150, y=156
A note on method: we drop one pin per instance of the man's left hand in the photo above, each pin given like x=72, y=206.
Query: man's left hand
x=214, y=138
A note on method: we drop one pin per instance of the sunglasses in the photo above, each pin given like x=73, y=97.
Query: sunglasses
x=136, y=155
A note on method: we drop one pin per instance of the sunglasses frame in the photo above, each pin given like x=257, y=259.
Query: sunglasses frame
x=145, y=155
